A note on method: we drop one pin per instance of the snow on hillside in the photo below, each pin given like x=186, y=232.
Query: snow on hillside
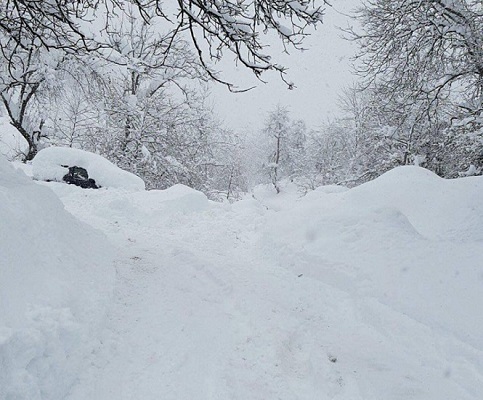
x=56, y=279
x=361, y=294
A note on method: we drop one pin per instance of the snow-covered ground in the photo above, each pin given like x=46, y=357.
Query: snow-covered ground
x=363, y=294
x=11, y=143
x=56, y=282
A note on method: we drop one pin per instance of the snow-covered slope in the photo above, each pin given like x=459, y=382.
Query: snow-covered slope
x=362, y=294
x=56, y=278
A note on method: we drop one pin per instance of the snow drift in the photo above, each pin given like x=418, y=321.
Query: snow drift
x=406, y=248
x=368, y=293
x=56, y=277
x=360, y=294
x=48, y=166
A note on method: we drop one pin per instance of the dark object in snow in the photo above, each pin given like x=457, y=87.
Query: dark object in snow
x=78, y=176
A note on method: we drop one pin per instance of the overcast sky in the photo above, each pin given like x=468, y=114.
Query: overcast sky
x=320, y=73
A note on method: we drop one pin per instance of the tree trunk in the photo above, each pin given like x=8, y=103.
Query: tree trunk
x=32, y=152
x=275, y=169
x=32, y=145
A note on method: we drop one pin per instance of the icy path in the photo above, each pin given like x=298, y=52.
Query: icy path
x=202, y=309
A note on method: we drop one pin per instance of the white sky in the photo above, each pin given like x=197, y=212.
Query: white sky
x=320, y=73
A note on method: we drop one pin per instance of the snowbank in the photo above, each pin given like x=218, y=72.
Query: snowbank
x=11, y=142
x=448, y=209
x=48, y=166
x=367, y=293
x=56, y=277
x=176, y=199
x=268, y=196
x=149, y=210
x=409, y=239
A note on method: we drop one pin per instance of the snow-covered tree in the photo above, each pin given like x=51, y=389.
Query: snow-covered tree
x=213, y=27
x=149, y=64
x=278, y=151
x=151, y=115
x=392, y=131
x=277, y=130
x=425, y=56
x=226, y=175
x=27, y=76
x=75, y=112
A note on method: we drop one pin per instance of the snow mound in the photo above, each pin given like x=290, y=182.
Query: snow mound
x=56, y=279
x=48, y=166
x=176, y=199
x=268, y=196
x=153, y=208
x=115, y=209
x=26, y=168
x=339, y=294
x=330, y=189
x=409, y=239
x=448, y=209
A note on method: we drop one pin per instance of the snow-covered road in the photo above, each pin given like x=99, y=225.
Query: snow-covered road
x=199, y=312
x=241, y=301
x=363, y=294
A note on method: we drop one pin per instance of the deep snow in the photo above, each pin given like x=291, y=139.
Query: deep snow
x=11, y=142
x=56, y=279
x=368, y=293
